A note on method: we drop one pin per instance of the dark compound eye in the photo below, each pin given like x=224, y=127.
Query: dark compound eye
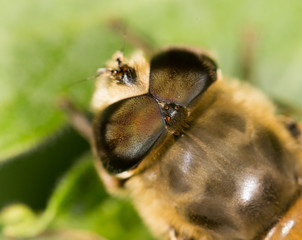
x=126, y=131
x=178, y=76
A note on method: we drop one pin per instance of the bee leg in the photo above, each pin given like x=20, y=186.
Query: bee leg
x=78, y=120
x=117, y=25
x=112, y=184
x=173, y=235
x=294, y=128
x=296, y=131
x=83, y=125
x=249, y=42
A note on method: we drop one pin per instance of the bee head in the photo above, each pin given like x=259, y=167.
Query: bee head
x=143, y=104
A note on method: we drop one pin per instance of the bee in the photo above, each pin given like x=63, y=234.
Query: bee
x=202, y=157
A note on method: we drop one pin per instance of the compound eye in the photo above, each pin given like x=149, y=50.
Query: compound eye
x=178, y=76
x=126, y=132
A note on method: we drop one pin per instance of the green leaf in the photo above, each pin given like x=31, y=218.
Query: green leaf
x=30, y=177
x=80, y=203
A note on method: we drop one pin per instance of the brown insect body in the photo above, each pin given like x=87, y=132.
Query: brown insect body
x=201, y=158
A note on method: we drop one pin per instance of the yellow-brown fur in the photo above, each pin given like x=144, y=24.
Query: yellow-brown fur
x=153, y=202
x=238, y=97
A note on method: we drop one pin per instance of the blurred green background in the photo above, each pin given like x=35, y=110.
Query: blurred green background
x=48, y=46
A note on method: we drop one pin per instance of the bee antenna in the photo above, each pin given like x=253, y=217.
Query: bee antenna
x=124, y=41
x=119, y=26
x=79, y=81
x=100, y=72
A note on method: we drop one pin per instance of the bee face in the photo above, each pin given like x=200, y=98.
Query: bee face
x=127, y=130
x=206, y=158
